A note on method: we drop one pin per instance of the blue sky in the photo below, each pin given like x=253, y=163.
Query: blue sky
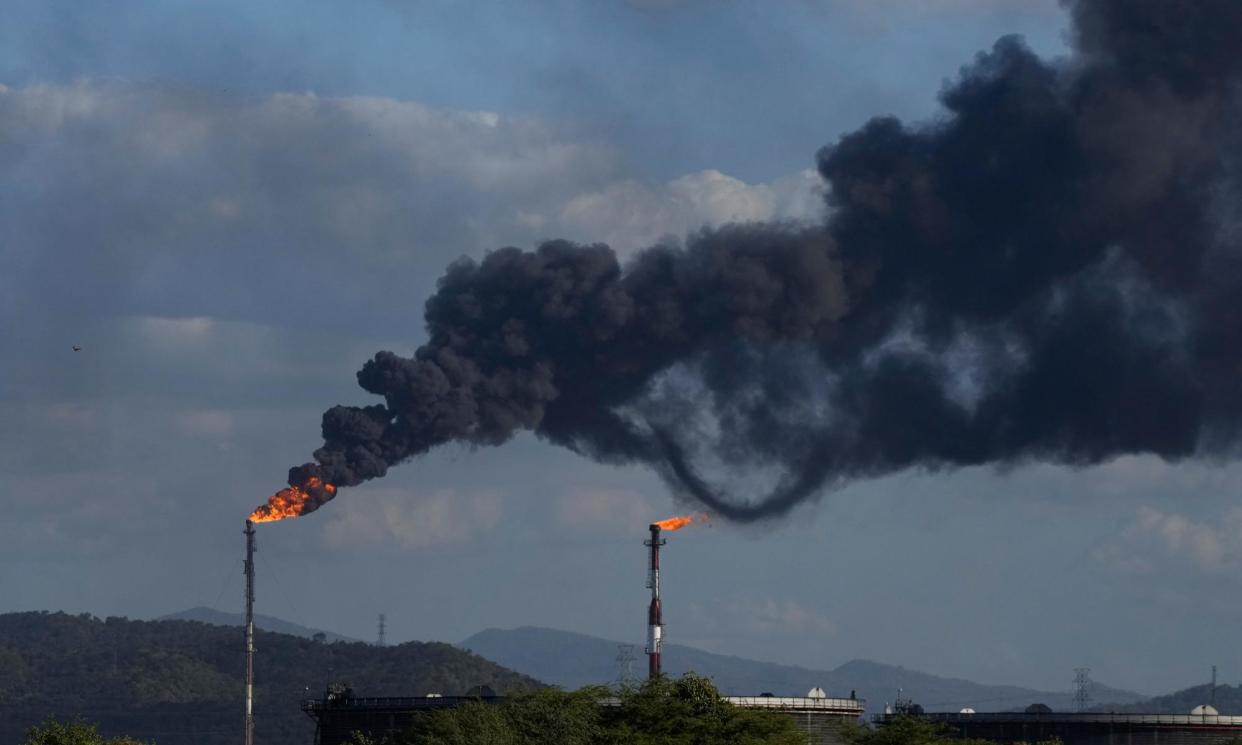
x=232, y=205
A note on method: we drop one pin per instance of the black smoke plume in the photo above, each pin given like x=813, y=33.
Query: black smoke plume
x=1050, y=271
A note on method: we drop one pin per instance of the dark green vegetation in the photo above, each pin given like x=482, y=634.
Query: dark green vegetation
x=686, y=711
x=911, y=731
x=74, y=733
x=267, y=623
x=1228, y=700
x=908, y=731
x=574, y=660
x=180, y=682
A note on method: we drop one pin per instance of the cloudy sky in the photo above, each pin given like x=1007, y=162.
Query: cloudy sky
x=231, y=206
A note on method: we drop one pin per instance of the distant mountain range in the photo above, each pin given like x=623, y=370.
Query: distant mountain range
x=1226, y=699
x=267, y=623
x=181, y=682
x=573, y=660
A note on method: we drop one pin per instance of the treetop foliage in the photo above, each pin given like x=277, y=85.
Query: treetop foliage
x=914, y=731
x=685, y=711
x=52, y=732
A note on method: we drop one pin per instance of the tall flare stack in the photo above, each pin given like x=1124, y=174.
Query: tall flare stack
x=249, y=570
x=655, y=618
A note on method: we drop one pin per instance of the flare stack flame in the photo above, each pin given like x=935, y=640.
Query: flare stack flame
x=294, y=501
x=677, y=523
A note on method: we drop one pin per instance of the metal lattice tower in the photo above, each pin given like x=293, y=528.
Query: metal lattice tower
x=1082, y=688
x=380, y=641
x=625, y=664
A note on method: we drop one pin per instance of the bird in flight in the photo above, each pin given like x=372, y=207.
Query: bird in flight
x=76, y=348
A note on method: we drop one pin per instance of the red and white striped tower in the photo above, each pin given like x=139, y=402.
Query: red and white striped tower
x=655, y=617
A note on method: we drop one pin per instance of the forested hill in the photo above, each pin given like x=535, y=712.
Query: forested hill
x=573, y=660
x=267, y=623
x=1228, y=700
x=180, y=682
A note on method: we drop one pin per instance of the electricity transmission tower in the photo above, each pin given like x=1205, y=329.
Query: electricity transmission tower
x=1082, y=688
x=625, y=664
x=379, y=639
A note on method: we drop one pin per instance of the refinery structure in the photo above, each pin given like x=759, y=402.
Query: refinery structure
x=340, y=713
x=1039, y=724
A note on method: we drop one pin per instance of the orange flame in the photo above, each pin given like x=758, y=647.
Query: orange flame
x=677, y=523
x=294, y=501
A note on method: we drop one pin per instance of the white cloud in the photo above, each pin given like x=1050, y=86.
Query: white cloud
x=655, y=4
x=370, y=518
x=761, y=616
x=629, y=215
x=302, y=208
x=604, y=509
x=207, y=423
x=68, y=414
x=1154, y=538
x=885, y=13
x=176, y=330
x=61, y=514
x=773, y=616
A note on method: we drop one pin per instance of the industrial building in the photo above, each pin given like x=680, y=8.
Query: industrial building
x=1038, y=724
x=821, y=717
x=340, y=713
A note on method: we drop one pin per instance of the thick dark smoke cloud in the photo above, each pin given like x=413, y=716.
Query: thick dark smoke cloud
x=1047, y=272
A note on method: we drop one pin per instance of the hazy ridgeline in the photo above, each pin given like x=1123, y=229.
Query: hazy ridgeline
x=181, y=682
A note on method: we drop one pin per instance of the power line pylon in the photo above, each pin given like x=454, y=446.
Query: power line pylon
x=625, y=665
x=1082, y=688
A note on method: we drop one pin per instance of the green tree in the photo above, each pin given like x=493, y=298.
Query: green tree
x=915, y=731
x=555, y=716
x=900, y=731
x=686, y=711
x=52, y=732
x=525, y=719
x=691, y=711
x=467, y=724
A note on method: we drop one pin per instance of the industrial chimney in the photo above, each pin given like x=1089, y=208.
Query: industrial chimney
x=655, y=618
x=249, y=725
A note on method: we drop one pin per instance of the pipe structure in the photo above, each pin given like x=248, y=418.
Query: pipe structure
x=655, y=616
x=249, y=570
